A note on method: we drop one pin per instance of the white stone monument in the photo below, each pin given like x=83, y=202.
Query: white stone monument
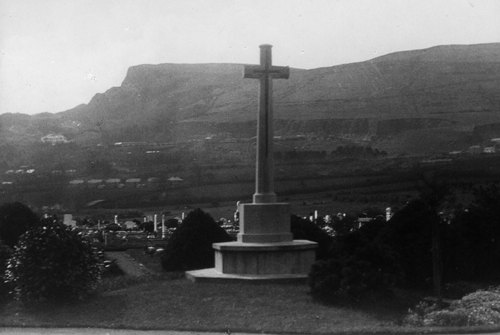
x=265, y=249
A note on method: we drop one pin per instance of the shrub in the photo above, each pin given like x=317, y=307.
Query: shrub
x=445, y=317
x=359, y=263
x=415, y=316
x=325, y=278
x=476, y=309
x=190, y=246
x=305, y=230
x=15, y=219
x=5, y=253
x=354, y=270
x=409, y=235
x=53, y=263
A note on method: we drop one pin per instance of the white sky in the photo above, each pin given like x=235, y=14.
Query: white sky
x=56, y=54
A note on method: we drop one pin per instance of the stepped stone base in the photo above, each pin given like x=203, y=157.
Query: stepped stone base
x=265, y=249
x=280, y=261
x=292, y=257
x=213, y=276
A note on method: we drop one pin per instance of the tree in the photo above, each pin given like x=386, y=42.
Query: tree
x=15, y=219
x=359, y=263
x=52, y=262
x=409, y=233
x=190, y=246
x=305, y=230
x=433, y=193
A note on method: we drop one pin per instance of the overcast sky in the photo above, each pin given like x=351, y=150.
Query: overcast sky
x=56, y=54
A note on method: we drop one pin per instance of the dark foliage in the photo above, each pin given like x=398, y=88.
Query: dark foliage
x=172, y=223
x=409, y=233
x=305, y=230
x=358, y=263
x=401, y=251
x=190, y=246
x=15, y=219
x=147, y=226
x=345, y=225
x=53, y=263
x=472, y=241
x=5, y=253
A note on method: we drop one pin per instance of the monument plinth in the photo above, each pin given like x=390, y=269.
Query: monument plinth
x=265, y=249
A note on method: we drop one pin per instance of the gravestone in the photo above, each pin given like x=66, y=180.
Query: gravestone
x=265, y=249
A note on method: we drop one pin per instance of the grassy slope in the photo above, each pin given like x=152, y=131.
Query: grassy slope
x=179, y=304
x=164, y=301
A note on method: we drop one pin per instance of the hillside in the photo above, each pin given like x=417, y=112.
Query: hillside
x=389, y=101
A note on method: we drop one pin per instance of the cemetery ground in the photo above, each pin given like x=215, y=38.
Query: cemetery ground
x=169, y=301
x=159, y=300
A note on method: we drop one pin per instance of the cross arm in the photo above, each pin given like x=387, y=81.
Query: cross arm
x=258, y=71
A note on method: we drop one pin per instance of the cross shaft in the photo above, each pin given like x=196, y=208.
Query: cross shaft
x=265, y=72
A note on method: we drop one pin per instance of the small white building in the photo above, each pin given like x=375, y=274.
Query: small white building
x=133, y=180
x=76, y=182
x=489, y=150
x=68, y=220
x=54, y=139
x=475, y=149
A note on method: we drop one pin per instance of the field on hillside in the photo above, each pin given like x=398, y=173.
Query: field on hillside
x=327, y=186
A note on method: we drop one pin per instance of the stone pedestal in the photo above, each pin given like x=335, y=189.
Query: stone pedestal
x=282, y=258
x=264, y=223
x=265, y=250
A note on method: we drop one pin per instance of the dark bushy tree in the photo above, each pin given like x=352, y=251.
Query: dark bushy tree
x=303, y=229
x=409, y=233
x=358, y=263
x=190, y=246
x=472, y=241
x=15, y=219
x=371, y=270
x=53, y=263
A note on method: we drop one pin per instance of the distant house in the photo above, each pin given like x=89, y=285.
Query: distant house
x=153, y=180
x=129, y=225
x=112, y=181
x=133, y=180
x=68, y=220
x=489, y=150
x=130, y=144
x=54, y=139
x=94, y=182
x=76, y=182
x=475, y=149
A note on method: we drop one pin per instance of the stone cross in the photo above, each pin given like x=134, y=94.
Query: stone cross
x=265, y=72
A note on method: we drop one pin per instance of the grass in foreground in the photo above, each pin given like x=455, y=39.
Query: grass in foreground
x=168, y=301
x=178, y=304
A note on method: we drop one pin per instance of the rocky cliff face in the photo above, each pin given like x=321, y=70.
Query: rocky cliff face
x=446, y=87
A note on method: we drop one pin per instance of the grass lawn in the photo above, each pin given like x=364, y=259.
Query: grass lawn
x=168, y=302
x=152, y=262
x=178, y=304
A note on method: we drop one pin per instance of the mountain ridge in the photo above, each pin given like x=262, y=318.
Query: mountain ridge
x=455, y=83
